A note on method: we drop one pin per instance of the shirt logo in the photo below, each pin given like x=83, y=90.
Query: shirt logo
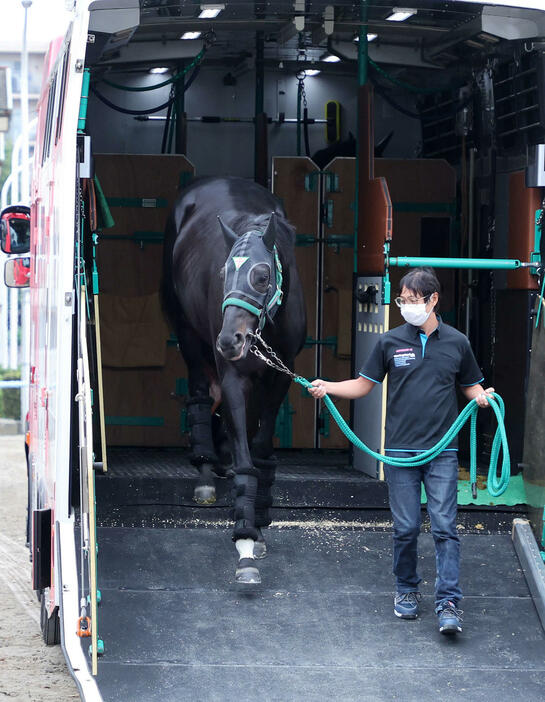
x=404, y=357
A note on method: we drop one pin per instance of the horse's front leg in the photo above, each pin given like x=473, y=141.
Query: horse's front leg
x=235, y=389
x=273, y=388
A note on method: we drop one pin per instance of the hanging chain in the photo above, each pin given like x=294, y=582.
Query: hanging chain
x=301, y=78
x=274, y=361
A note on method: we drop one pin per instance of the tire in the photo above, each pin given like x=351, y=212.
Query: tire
x=50, y=625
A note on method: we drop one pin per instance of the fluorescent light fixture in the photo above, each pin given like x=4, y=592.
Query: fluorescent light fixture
x=190, y=35
x=330, y=58
x=370, y=37
x=210, y=11
x=159, y=69
x=400, y=14
x=310, y=73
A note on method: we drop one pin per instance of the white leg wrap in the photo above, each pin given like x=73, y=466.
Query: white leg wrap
x=245, y=548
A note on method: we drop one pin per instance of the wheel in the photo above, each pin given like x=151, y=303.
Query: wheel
x=50, y=625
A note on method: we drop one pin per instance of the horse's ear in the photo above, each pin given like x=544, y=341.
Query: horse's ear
x=228, y=233
x=270, y=233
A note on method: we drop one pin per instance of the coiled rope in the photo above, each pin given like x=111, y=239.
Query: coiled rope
x=496, y=485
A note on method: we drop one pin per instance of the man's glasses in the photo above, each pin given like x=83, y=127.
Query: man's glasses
x=400, y=301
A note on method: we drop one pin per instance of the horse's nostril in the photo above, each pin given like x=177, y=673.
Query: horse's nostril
x=228, y=342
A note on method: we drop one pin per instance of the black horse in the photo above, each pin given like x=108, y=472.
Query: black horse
x=229, y=271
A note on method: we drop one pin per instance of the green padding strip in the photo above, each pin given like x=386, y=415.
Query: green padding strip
x=151, y=202
x=82, y=117
x=241, y=303
x=181, y=386
x=185, y=178
x=135, y=421
x=138, y=237
x=446, y=207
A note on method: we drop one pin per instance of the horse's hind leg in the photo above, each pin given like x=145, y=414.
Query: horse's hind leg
x=203, y=454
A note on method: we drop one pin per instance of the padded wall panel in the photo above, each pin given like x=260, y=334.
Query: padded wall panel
x=139, y=407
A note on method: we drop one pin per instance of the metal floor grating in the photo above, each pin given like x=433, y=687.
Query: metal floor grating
x=131, y=462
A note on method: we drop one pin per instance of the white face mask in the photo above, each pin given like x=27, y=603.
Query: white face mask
x=415, y=314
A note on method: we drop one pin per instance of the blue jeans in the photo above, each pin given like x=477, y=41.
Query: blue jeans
x=440, y=480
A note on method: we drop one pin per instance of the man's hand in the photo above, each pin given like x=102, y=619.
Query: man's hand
x=318, y=389
x=482, y=399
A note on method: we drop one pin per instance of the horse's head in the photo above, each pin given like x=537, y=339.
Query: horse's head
x=250, y=287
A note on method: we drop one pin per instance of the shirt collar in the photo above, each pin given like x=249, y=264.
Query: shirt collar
x=415, y=331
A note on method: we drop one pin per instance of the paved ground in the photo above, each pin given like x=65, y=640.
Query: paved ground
x=30, y=671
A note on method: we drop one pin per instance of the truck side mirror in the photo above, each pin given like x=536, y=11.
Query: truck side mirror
x=15, y=229
x=17, y=272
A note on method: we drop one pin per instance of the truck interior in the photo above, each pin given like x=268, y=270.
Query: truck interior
x=431, y=129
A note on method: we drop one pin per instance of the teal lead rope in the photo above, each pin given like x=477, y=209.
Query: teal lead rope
x=496, y=485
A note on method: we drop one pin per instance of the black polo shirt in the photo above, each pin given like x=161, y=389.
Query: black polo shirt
x=422, y=377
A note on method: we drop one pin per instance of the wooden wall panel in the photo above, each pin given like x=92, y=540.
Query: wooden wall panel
x=523, y=203
x=138, y=401
x=337, y=283
x=302, y=209
x=418, y=188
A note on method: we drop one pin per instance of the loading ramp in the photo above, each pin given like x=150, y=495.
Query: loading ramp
x=176, y=627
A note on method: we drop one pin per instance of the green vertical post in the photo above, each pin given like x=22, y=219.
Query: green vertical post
x=363, y=45
x=363, y=54
x=82, y=117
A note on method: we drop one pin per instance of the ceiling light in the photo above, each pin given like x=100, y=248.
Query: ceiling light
x=210, y=11
x=330, y=58
x=190, y=35
x=370, y=37
x=159, y=69
x=400, y=14
x=310, y=73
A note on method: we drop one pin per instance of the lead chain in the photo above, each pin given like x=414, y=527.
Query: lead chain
x=274, y=361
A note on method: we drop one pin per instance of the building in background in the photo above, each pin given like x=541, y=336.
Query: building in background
x=10, y=57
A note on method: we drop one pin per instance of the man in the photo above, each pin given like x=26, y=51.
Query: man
x=424, y=359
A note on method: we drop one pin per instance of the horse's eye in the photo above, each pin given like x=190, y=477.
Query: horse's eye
x=259, y=277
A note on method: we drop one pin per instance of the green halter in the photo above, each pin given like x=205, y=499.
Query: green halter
x=271, y=307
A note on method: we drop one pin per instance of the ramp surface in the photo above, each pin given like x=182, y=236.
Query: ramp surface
x=177, y=628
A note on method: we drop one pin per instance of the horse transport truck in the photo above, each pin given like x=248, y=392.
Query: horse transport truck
x=429, y=125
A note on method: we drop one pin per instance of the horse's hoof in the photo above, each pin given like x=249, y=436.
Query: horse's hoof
x=247, y=573
x=204, y=495
x=260, y=549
